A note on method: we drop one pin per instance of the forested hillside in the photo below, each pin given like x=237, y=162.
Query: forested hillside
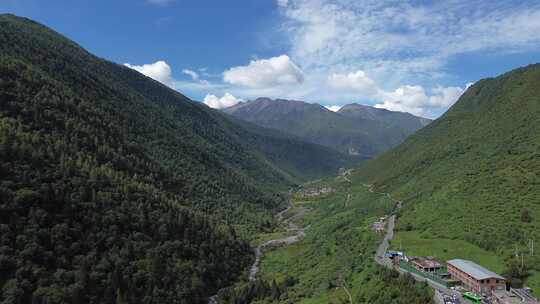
x=114, y=187
x=473, y=174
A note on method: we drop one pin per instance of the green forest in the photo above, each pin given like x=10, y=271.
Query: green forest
x=114, y=187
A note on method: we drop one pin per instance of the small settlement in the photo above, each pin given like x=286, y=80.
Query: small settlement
x=476, y=283
x=379, y=225
x=314, y=192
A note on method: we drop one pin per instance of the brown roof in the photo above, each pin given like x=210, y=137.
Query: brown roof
x=426, y=262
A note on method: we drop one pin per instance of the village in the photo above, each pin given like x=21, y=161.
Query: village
x=454, y=281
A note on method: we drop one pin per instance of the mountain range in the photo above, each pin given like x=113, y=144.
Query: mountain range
x=115, y=188
x=357, y=130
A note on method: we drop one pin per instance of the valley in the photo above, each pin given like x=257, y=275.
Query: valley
x=334, y=260
x=117, y=188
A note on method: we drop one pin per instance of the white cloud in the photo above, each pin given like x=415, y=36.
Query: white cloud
x=384, y=52
x=415, y=100
x=194, y=75
x=215, y=102
x=333, y=108
x=264, y=73
x=158, y=70
x=445, y=97
x=400, y=41
x=358, y=82
x=406, y=98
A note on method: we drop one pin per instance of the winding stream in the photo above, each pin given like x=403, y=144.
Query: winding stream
x=297, y=234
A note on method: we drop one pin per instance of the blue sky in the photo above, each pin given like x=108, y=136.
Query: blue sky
x=407, y=55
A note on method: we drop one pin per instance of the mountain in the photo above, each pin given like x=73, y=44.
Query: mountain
x=349, y=132
x=295, y=158
x=473, y=174
x=114, y=187
x=402, y=120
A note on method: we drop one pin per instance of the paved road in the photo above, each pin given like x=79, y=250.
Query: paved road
x=383, y=246
x=440, y=290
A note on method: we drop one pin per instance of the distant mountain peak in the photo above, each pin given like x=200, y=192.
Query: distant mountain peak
x=366, y=130
x=380, y=114
x=283, y=106
x=372, y=109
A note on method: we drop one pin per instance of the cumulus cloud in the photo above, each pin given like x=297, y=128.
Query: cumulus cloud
x=415, y=99
x=445, y=96
x=333, y=108
x=406, y=98
x=227, y=100
x=158, y=70
x=262, y=73
x=358, y=82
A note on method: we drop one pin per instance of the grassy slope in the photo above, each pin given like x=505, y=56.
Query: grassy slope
x=471, y=174
x=339, y=245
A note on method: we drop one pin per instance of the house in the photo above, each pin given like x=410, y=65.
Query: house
x=475, y=277
x=379, y=226
x=427, y=264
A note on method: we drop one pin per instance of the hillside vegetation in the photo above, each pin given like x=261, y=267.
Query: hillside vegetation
x=336, y=257
x=114, y=187
x=473, y=174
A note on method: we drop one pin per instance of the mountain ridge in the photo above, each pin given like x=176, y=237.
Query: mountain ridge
x=373, y=113
x=351, y=131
